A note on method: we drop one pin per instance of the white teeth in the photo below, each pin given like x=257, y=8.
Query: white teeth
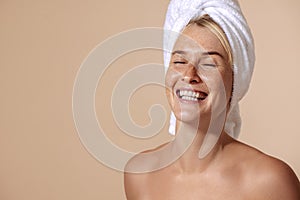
x=189, y=95
x=189, y=98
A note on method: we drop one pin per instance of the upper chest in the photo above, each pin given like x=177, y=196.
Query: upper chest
x=190, y=187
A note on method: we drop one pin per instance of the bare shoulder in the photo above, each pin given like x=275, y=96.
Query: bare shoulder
x=134, y=179
x=278, y=179
x=146, y=161
x=267, y=177
x=138, y=170
x=134, y=184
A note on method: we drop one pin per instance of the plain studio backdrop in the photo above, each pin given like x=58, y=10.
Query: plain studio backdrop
x=43, y=44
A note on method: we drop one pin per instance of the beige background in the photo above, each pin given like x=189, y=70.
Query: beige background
x=43, y=43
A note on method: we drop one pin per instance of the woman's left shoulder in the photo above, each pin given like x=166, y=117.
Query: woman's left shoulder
x=269, y=176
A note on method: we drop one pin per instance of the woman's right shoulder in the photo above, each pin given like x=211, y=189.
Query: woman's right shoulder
x=145, y=161
x=138, y=170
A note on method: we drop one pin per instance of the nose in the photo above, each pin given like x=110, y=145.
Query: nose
x=190, y=75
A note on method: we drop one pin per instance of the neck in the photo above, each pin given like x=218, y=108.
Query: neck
x=189, y=140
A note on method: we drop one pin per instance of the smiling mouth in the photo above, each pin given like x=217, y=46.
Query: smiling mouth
x=191, y=95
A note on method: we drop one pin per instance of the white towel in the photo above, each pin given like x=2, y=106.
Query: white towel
x=228, y=15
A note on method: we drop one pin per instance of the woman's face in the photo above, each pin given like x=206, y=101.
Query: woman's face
x=199, y=78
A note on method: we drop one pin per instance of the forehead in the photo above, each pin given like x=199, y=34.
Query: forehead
x=195, y=38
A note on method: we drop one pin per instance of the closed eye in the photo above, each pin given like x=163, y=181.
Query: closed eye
x=209, y=65
x=179, y=62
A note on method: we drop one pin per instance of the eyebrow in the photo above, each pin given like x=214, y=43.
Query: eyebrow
x=178, y=52
x=213, y=53
x=203, y=53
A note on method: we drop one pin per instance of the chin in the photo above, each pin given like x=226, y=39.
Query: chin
x=191, y=113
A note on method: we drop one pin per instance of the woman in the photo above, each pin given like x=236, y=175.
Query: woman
x=209, y=71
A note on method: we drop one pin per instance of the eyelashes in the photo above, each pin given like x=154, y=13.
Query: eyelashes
x=179, y=63
x=205, y=62
x=209, y=65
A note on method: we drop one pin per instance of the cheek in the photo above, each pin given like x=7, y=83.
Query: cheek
x=220, y=81
x=170, y=81
x=217, y=90
x=171, y=78
x=228, y=83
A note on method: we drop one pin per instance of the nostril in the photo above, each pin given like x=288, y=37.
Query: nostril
x=190, y=80
x=193, y=81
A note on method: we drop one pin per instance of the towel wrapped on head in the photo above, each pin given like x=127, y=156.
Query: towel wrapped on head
x=228, y=15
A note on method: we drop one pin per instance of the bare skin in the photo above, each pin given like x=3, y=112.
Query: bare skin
x=232, y=170
x=237, y=171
